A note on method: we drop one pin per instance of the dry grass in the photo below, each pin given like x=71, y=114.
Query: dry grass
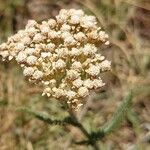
x=128, y=25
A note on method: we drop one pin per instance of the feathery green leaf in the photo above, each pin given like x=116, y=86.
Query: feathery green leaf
x=119, y=115
x=46, y=118
x=116, y=120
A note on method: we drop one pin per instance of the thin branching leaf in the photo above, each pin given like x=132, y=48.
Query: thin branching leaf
x=116, y=120
x=46, y=118
x=119, y=115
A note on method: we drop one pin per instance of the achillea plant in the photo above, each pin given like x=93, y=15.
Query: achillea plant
x=61, y=54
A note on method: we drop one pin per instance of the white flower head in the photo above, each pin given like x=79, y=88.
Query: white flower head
x=72, y=74
x=38, y=38
x=98, y=83
x=45, y=54
x=52, y=23
x=75, y=52
x=83, y=91
x=30, y=51
x=88, y=21
x=80, y=36
x=71, y=95
x=88, y=83
x=31, y=23
x=59, y=93
x=37, y=74
x=77, y=83
x=20, y=47
x=21, y=57
x=76, y=66
x=69, y=41
x=4, y=54
x=93, y=70
x=60, y=64
x=89, y=49
x=50, y=46
x=105, y=65
x=61, y=54
x=31, y=60
x=65, y=27
x=28, y=71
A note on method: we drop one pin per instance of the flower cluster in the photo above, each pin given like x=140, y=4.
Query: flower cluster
x=61, y=54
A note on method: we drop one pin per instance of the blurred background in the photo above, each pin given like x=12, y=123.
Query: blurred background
x=128, y=24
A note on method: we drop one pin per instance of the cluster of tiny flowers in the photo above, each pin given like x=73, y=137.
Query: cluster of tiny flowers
x=61, y=54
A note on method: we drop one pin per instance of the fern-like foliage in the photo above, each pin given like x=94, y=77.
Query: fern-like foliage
x=46, y=118
x=116, y=120
x=119, y=115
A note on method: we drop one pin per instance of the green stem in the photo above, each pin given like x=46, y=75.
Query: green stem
x=90, y=141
